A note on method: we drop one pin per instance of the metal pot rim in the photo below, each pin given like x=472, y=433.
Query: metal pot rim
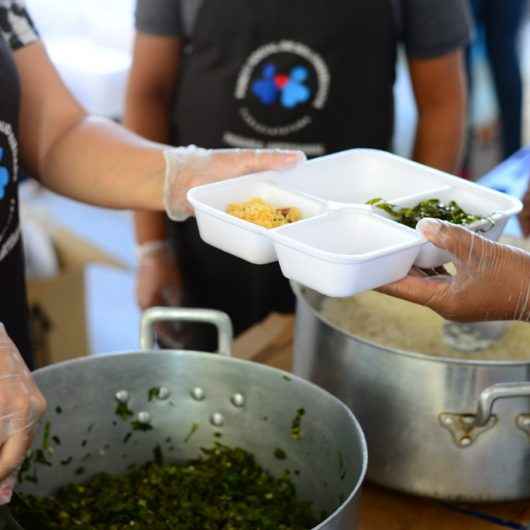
x=255, y=366
x=298, y=290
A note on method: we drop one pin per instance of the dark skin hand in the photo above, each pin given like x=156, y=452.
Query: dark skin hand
x=492, y=281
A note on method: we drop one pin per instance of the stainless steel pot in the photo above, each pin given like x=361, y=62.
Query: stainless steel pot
x=253, y=406
x=442, y=428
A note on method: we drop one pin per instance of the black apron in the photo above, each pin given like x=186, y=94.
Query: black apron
x=13, y=303
x=309, y=74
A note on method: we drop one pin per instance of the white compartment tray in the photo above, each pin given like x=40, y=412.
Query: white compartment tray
x=342, y=246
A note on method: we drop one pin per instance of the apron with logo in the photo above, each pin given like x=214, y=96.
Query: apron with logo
x=13, y=305
x=305, y=74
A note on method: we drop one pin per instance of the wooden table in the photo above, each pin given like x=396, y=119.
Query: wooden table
x=271, y=343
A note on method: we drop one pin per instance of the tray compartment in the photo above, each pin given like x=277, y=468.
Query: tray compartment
x=496, y=209
x=238, y=237
x=359, y=175
x=346, y=251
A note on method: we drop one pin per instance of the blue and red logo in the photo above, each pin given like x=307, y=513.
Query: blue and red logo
x=290, y=90
x=4, y=176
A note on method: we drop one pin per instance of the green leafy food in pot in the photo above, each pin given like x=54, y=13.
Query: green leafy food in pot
x=433, y=208
x=223, y=489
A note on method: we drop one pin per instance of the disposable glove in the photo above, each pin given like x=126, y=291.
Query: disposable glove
x=158, y=279
x=21, y=406
x=492, y=281
x=524, y=216
x=187, y=167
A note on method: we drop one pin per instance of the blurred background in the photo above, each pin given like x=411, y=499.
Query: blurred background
x=103, y=260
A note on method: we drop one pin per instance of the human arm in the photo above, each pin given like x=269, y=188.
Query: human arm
x=149, y=102
x=492, y=281
x=435, y=34
x=440, y=92
x=99, y=162
x=21, y=405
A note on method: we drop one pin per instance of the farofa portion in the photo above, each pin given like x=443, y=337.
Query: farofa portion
x=259, y=212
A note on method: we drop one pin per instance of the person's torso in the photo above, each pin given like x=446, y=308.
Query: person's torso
x=297, y=74
x=13, y=309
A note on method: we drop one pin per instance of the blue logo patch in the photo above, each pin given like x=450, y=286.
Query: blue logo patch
x=290, y=89
x=4, y=176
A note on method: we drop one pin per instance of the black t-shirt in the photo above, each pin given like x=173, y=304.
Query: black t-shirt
x=16, y=31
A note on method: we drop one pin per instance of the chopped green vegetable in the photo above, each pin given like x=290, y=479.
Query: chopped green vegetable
x=296, y=426
x=193, y=430
x=280, y=454
x=153, y=393
x=46, y=436
x=432, y=208
x=224, y=489
x=139, y=426
x=123, y=411
x=40, y=458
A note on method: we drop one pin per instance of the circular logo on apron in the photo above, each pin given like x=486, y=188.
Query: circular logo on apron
x=9, y=229
x=280, y=88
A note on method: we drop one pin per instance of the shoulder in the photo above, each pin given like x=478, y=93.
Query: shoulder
x=16, y=25
x=432, y=28
x=159, y=17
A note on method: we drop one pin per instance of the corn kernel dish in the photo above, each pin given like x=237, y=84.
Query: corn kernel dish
x=259, y=212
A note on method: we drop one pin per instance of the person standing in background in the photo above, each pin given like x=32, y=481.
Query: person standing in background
x=303, y=73
x=501, y=22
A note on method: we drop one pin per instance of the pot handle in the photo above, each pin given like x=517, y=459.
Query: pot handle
x=499, y=391
x=179, y=314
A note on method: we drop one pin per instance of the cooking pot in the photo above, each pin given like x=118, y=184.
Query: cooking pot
x=443, y=428
x=199, y=394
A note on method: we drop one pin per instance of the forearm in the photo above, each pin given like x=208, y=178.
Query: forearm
x=147, y=115
x=440, y=137
x=149, y=226
x=440, y=92
x=98, y=162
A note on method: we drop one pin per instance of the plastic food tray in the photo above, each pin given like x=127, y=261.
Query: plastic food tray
x=342, y=246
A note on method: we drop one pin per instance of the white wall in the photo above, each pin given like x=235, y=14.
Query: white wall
x=90, y=43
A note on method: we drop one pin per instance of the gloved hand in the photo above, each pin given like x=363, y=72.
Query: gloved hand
x=187, y=167
x=492, y=281
x=158, y=280
x=21, y=405
x=524, y=216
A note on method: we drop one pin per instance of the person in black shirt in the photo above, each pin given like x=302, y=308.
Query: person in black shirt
x=85, y=158
x=309, y=74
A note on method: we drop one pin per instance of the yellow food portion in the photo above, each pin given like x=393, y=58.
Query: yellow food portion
x=261, y=213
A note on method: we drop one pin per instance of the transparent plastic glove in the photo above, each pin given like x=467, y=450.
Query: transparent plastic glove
x=158, y=280
x=524, y=216
x=21, y=405
x=492, y=281
x=191, y=166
